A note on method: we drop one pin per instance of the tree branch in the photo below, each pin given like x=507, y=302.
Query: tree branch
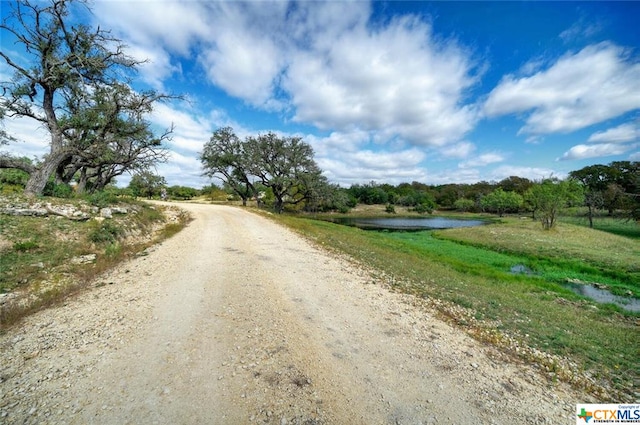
x=16, y=163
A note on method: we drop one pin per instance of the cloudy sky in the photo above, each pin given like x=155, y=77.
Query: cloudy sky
x=436, y=92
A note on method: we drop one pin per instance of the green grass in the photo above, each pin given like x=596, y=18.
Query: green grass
x=616, y=226
x=469, y=268
x=36, y=252
x=568, y=251
x=485, y=262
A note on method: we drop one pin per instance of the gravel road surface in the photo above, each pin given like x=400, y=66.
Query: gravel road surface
x=237, y=320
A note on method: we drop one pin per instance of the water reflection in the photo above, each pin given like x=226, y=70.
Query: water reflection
x=400, y=223
x=604, y=296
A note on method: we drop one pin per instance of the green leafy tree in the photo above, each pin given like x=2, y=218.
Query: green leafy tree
x=67, y=85
x=615, y=187
x=285, y=165
x=324, y=196
x=224, y=156
x=111, y=137
x=182, y=192
x=501, y=202
x=371, y=193
x=464, y=204
x=626, y=176
x=515, y=184
x=550, y=196
x=424, y=203
x=594, y=179
x=147, y=184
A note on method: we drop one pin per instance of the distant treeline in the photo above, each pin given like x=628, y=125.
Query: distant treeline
x=612, y=188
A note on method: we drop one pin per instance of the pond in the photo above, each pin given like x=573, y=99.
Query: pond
x=404, y=223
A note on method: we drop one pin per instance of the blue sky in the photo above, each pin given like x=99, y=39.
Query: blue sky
x=436, y=92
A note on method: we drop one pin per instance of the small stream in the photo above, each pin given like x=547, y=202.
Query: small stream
x=598, y=295
x=604, y=296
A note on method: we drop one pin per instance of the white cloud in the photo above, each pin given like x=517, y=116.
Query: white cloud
x=154, y=31
x=457, y=150
x=581, y=29
x=245, y=66
x=174, y=25
x=386, y=160
x=338, y=143
x=598, y=83
x=157, y=67
x=596, y=151
x=358, y=166
x=32, y=139
x=628, y=132
x=482, y=160
x=321, y=62
x=531, y=173
x=191, y=131
x=396, y=80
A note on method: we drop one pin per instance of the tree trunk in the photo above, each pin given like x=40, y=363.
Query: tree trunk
x=82, y=181
x=38, y=179
x=279, y=205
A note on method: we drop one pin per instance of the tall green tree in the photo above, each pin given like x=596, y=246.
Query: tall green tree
x=515, y=184
x=500, y=201
x=550, y=196
x=147, y=184
x=224, y=156
x=615, y=186
x=594, y=179
x=111, y=137
x=285, y=165
x=63, y=85
x=627, y=179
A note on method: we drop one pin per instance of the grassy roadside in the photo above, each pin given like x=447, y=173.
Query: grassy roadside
x=45, y=259
x=461, y=274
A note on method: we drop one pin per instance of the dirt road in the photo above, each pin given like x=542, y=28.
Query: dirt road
x=237, y=320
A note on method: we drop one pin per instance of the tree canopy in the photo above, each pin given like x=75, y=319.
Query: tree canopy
x=75, y=83
x=615, y=186
x=501, y=201
x=146, y=184
x=283, y=165
x=550, y=196
x=224, y=156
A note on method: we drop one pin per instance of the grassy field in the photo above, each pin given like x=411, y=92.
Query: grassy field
x=566, y=252
x=465, y=274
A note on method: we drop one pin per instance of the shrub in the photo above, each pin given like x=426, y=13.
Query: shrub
x=55, y=190
x=464, y=204
x=103, y=199
x=105, y=232
x=423, y=208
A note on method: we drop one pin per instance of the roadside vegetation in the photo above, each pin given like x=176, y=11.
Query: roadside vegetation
x=465, y=274
x=45, y=259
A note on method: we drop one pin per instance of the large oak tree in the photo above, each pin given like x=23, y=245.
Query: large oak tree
x=75, y=84
x=284, y=165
